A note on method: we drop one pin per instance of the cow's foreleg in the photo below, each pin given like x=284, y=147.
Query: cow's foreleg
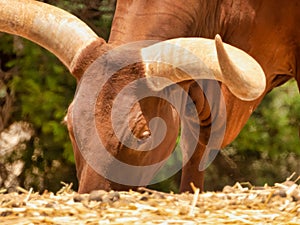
x=191, y=172
x=203, y=130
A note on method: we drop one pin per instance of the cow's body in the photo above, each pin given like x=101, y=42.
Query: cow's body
x=265, y=29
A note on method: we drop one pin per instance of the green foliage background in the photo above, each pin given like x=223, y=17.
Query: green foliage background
x=267, y=150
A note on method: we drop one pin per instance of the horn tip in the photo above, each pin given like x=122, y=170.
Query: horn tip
x=218, y=38
x=219, y=43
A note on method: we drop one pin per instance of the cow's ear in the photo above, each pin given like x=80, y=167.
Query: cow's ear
x=182, y=59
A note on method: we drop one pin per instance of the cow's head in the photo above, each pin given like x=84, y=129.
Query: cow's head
x=130, y=98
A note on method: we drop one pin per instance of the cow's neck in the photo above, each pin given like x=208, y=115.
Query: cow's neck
x=161, y=19
x=136, y=20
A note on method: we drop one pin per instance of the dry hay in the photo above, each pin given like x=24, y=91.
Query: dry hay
x=238, y=204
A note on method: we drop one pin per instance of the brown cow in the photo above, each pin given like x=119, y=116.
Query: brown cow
x=211, y=119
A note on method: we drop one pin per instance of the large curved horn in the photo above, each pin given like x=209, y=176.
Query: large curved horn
x=199, y=58
x=55, y=29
